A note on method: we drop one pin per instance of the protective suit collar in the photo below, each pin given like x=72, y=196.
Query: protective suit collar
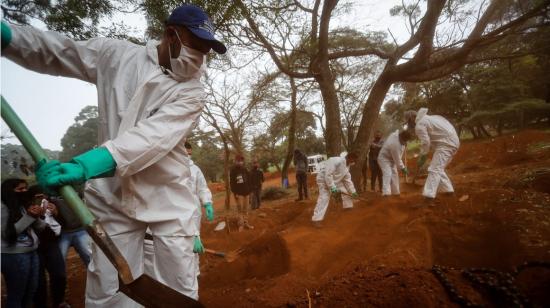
x=420, y=114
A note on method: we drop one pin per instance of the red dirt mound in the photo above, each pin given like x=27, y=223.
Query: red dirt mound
x=499, y=151
x=265, y=257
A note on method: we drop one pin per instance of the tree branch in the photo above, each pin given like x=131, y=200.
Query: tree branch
x=358, y=53
x=267, y=45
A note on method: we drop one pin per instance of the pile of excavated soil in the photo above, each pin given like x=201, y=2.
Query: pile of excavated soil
x=265, y=257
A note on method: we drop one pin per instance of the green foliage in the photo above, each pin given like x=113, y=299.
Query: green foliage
x=77, y=18
x=514, y=113
x=157, y=11
x=207, y=154
x=82, y=135
x=17, y=163
x=502, y=94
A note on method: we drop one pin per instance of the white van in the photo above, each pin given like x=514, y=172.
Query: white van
x=314, y=162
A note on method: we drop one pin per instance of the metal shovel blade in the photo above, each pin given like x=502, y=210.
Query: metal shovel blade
x=144, y=290
x=151, y=293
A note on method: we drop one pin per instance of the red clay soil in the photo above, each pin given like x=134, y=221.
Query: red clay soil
x=380, y=253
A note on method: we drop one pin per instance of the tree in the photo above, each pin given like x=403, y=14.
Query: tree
x=429, y=55
x=78, y=19
x=82, y=135
x=306, y=50
x=207, y=153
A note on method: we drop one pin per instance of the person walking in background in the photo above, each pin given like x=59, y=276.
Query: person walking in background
x=20, y=262
x=375, y=172
x=256, y=181
x=301, y=166
x=239, y=179
x=390, y=160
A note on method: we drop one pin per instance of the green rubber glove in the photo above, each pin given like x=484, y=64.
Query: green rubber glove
x=6, y=34
x=421, y=161
x=197, y=245
x=44, y=169
x=405, y=171
x=334, y=190
x=95, y=163
x=209, y=209
x=354, y=195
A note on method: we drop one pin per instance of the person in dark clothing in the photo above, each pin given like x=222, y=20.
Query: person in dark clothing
x=239, y=180
x=19, y=243
x=49, y=255
x=301, y=166
x=375, y=171
x=256, y=181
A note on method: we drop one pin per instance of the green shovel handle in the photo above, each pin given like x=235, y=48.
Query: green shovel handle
x=37, y=153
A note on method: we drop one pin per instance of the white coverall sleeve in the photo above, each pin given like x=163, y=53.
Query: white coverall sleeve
x=422, y=134
x=329, y=172
x=154, y=137
x=53, y=53
x=202, y=187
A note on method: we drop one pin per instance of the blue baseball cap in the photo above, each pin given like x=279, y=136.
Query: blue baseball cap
x=195, y=20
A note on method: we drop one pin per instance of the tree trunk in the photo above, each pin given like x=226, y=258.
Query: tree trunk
x=368, y=119
x=332, y=112
x=226, y=175
x=291, y=132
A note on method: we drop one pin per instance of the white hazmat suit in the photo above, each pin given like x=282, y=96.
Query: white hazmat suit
x=144, y=117
x=389, y=160
x=333, y=172
x=198, y=185
x=437, y=132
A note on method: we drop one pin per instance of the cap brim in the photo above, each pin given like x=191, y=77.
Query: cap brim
x=216, y=45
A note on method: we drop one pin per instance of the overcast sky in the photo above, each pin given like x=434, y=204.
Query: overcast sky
x=48, y=104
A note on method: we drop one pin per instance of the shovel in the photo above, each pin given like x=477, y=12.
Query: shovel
x=144, y=289
x=228, y=256
x=356, y=198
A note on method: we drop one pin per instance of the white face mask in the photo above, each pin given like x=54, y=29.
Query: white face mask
x=187, y=64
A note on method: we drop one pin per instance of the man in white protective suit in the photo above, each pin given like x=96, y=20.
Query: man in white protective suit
x=389, y=160
x=203, y=198
x=334, y=178
x=150, y=98
x=436, y=132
